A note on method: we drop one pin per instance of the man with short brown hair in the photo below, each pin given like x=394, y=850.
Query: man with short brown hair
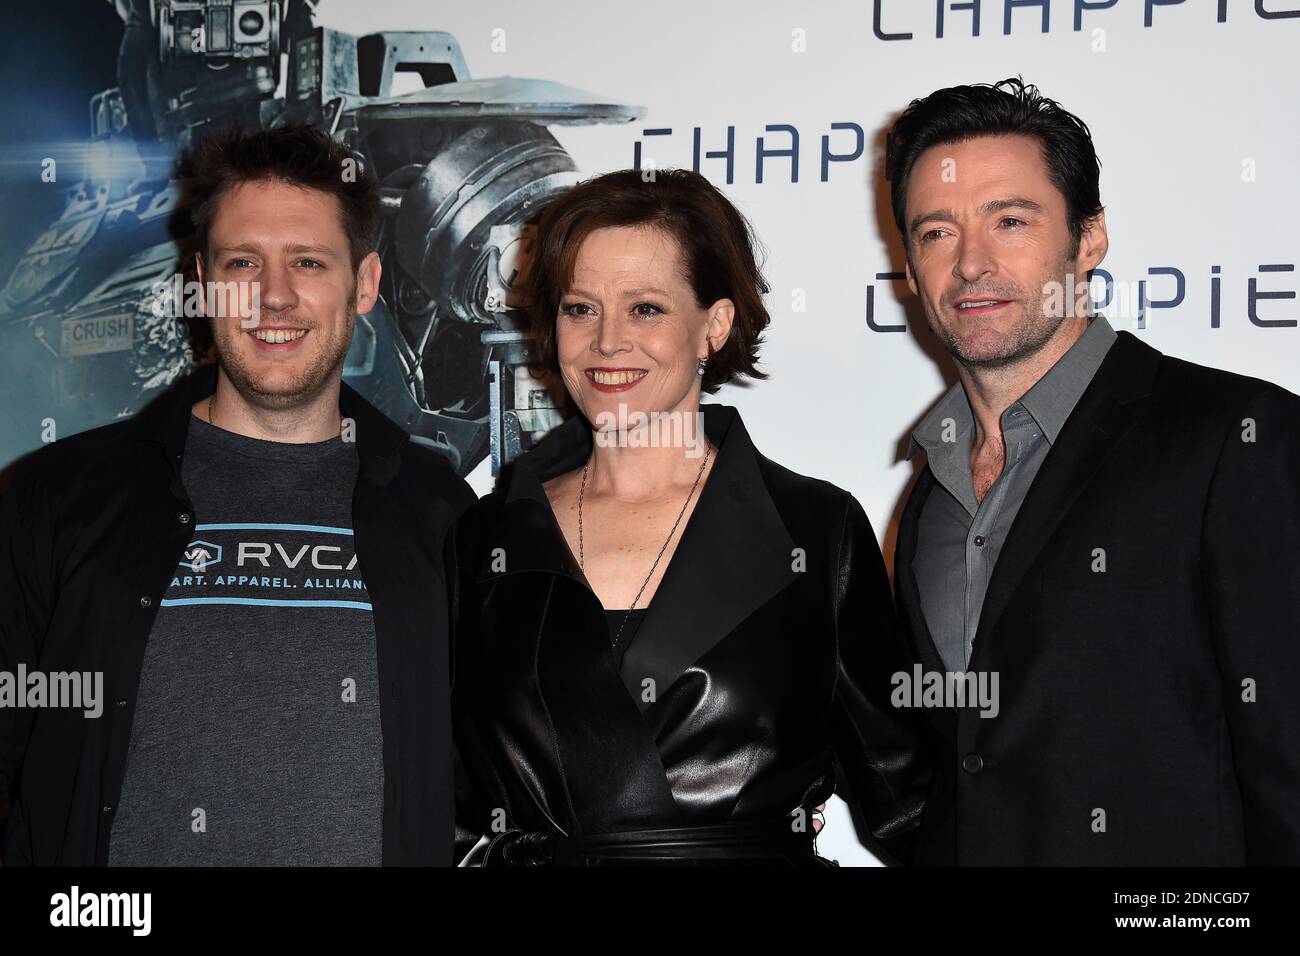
x=254, y=562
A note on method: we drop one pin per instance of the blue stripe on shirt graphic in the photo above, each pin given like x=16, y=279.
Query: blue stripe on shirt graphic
x=273, y=527
x=265, y=602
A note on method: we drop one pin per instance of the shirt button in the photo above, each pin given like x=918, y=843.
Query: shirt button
x=146, y=601
x=979, y=540
x=972, y=763
x=185, y=518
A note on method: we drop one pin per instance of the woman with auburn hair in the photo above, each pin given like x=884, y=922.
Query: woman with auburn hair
x=667, y=649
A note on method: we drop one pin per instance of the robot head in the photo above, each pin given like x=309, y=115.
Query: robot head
x=218, y=30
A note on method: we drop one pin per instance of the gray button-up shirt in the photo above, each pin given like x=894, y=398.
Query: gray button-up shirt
x=958, y=538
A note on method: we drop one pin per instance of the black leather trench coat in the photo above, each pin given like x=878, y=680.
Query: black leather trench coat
x=757, y=684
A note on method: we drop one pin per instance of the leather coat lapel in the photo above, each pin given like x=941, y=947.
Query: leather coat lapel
x=528, y=536
x=604, y=750
x=734, y=555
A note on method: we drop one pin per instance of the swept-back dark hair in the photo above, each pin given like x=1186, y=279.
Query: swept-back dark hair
x=297, y=154
x=1009, y=106
x=718, y=256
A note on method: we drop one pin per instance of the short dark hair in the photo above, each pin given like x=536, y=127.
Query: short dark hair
x=297, y=154
x=718, y=256
x=1009, y=106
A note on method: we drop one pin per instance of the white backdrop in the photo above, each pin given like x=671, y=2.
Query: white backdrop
x=1192, y=105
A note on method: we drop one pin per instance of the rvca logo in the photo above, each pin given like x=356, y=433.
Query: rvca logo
x=200, y=555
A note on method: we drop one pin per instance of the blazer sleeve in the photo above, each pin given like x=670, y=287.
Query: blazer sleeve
x=1251, y=583
x=25, y=603
x=882, y=756
x=472, y=817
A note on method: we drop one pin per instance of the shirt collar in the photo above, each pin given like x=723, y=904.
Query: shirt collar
x=166, y=421
x=1049, y=400
x=929, y=434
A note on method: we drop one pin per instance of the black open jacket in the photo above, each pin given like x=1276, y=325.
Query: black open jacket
x=91, y=531
x=1144, y=618
x=757, y=683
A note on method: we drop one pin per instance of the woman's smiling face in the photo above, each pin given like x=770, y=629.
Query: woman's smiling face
x=629, y=331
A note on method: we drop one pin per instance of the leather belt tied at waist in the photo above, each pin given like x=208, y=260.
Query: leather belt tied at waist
x=771, y=841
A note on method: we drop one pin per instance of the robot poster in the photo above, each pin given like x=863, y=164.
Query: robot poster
x=463, y=163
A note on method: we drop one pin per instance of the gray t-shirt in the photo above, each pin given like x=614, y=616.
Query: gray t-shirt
x=256, y=738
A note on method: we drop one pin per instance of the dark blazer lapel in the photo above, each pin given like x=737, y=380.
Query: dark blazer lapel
x=734, y=556
x=909, y=595
x=1100, y=419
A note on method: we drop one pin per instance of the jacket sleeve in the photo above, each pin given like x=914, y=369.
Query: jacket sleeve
x=472, y=815
x=472, y=818
x=883, y=758
x=25, y=605
x=1251, y=583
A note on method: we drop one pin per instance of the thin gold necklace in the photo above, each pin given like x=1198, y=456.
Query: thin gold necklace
x=582, y=493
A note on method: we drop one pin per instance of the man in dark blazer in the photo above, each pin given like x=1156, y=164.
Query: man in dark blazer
x=1104, y=540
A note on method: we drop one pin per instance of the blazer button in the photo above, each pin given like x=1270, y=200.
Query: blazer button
x=146, y=601
x=108, y=808
x=972, y=763
x=121, y=702
x=185, y=518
